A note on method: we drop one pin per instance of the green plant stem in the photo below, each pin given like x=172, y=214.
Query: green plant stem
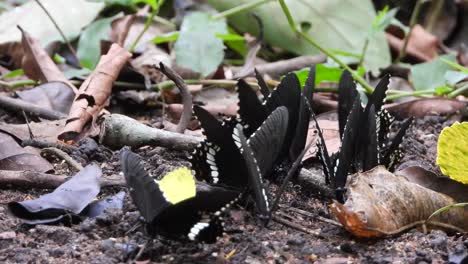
x=395, y=94
x=436, y=7
x=458, y=91
x=16, y=84
x=165, y=22
x=239, y=8
x=413, y=20
x=154, y=12
x=363, y=53
x=294, y=27
x=65, y=39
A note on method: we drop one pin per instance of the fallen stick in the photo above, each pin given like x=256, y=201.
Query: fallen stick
x=18, y=105
x=315, y=182
x=63, y=155
x=39, y=180
x=38, y=143
x=278, y=68
x=118, y=131
x=184, y=93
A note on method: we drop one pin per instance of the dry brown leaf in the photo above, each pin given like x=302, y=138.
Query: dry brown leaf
x=37, y=64
x=380, y=203
x=120, y=28
x=421, y=44
x=45, y=130
x=331, y=135
x=93, y=95
x=14, y=157
x=54, y=95
x=430, y=180
x=424, y=107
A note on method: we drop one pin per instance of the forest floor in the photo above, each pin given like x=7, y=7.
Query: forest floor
x=117, y=236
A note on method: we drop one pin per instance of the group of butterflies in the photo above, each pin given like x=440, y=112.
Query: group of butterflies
x=265, y=141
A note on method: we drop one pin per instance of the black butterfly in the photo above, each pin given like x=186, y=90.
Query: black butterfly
x=198, y=218
x=252, y=112
x=224, y=160
x=364, y=134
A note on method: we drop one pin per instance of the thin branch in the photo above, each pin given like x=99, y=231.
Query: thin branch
x=65, y=39
x=37, y=143
x=298, y=227
x=17, y=105
x=184, y=92
x=63, y=155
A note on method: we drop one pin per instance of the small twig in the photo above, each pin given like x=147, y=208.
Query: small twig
x=31, y=135
x=184, y=92
x=413, y=20
x=37, y=143
x=16, y=84
x=436, y=7
x=142, y=249
x=20, y=105
x=281, y=67
x=65, y=39
x=292, y=171
x=294, y=226
x=39, y=180
x=309, y=214
x=63, y=155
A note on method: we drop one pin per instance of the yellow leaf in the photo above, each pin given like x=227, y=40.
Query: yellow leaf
x=452, y=152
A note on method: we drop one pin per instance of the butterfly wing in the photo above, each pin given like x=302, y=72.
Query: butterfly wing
x=144, y=191
x=266, y=142
x=393, y=152
x=217, y=160
x=346, y=95
x=323, y=155
x=347, y=149
x=198, y=218
x=251, y=111
x=370, y=150
x=262, y=84
x=254, y=174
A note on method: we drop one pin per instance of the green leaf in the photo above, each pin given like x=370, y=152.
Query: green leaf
x=454, y=77
x=58, y=59
x=152, y=3
x=230, y=37
x=383, y=19
x=13, y=74
x=197, y=47
x=89, y=45
x=334, y=24
x=443, y=90
x=71, y=17
x=324, y=73
x=72, y=73
x=168, y=37
x=430, y=75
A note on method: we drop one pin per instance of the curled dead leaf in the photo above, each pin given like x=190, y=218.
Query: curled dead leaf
x=14, y=157
x=54, y=95
x=37, y=64
x=421, y=44
x=424, y=107
x=380, y=203
x=120, y=28
x=93, y=95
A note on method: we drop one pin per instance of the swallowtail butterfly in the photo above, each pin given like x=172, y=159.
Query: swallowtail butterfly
x=172, y=207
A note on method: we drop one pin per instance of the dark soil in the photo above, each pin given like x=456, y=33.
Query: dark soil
x=118, y=236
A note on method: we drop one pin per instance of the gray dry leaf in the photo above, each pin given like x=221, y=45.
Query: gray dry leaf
x=380, y=203
x=45, y=130
x=56, y=96
x=14, y=157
